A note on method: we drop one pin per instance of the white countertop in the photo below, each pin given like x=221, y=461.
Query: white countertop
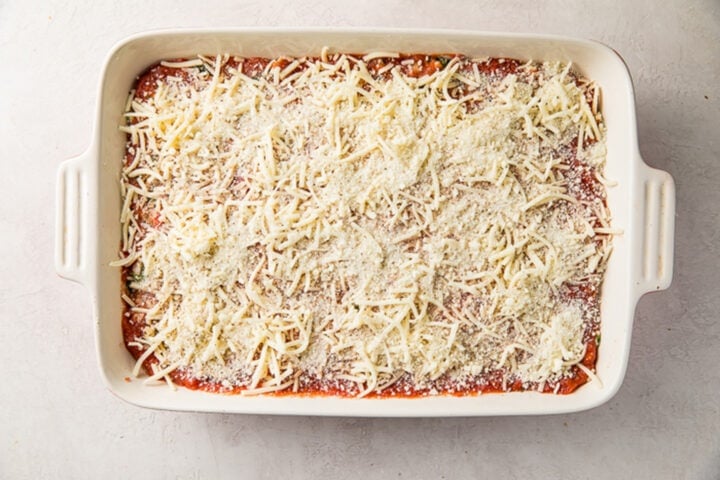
x=58, y=421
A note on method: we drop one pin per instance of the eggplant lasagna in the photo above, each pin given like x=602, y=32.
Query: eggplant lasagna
x=363, y=225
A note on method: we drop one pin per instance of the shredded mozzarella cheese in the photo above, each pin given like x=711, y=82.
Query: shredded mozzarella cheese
x=321, y=220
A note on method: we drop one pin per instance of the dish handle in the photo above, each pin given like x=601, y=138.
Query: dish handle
x=658, y=230
x=71, y=218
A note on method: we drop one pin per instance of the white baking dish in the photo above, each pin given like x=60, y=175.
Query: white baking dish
x=88, y=206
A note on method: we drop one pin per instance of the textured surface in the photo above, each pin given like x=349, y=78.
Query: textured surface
x=57, y=417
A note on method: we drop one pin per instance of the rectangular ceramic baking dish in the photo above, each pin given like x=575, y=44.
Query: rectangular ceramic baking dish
x=88, y=206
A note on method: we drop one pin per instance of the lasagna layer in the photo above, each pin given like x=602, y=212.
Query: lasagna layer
x=377, y=225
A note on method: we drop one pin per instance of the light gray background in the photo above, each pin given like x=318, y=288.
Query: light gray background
x=58, y=421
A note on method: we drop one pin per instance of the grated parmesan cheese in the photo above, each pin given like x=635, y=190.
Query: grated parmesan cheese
x=324, y=221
